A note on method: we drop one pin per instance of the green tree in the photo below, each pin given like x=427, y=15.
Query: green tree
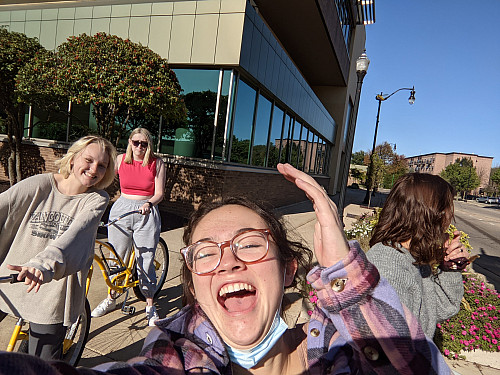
x=16, y=50
x=461, y=175
x=358, y=175
x=495, y=178
x=125, y=82
x=397, y=167
x=387, y=166
x=358, y=158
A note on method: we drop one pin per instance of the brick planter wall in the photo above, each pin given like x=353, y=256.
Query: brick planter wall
x=187, y=183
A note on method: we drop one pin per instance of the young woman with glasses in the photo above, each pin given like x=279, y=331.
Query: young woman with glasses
x=237, y=263
x=142, y=185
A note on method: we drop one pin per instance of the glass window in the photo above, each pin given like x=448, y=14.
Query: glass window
x=285, y=148
x=82, y=121
x=50, y=124
x=347, y=122
x=275, y=138
x=321, y=169
x=303, y=148
x=242, y=123
x=297, y=157
x=309, y=152
x=223, y=115
x=259, y=144
x=194, y=136
x=319, y=156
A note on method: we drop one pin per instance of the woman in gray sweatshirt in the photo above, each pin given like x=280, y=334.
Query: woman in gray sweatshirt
x=410, y=248
x=48, y=225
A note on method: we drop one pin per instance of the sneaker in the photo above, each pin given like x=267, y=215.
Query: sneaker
x=151, y=315
x=104, y=307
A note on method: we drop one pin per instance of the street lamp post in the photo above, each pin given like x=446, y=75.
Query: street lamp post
x=381, y=97
x=362, y=64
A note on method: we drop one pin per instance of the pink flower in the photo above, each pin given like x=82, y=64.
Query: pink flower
x=494, y=341
x=446, y=352
x=309, y=312
x=464, y=333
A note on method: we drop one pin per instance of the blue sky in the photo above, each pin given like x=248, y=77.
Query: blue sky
x=450, y=51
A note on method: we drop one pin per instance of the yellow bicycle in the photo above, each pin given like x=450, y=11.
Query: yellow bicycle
x=120, y=275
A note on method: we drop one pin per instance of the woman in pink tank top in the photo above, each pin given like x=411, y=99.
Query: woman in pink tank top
x=142, y=186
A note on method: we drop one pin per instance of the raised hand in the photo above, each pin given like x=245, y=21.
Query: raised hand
x=454, y=249
x=31, y=276
x=330, y=244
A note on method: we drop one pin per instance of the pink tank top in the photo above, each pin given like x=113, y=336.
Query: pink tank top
x=136, y=179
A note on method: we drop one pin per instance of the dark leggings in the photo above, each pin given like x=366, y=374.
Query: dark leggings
x=46, y=340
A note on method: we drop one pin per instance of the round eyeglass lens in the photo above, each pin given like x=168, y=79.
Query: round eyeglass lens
x=250, y=246
x=204, y=257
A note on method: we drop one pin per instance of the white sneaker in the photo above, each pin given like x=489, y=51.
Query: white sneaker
x=107, y=305
x=151, y=315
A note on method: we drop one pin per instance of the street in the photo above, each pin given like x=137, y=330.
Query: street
x=482, y=223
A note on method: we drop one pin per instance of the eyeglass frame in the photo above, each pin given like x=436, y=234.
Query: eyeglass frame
x=144, y=144
x=224, y=244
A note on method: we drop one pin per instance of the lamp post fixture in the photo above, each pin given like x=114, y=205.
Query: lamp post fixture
x=362, y=64
x=381, y=97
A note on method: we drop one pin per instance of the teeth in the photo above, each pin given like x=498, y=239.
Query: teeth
x=236, y=287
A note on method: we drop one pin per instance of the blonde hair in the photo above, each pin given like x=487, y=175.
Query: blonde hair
x=149, y=152
x=78, y=146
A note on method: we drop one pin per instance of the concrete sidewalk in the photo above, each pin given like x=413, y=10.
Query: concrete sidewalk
x=118, y=337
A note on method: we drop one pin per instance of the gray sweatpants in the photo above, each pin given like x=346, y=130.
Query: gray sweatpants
x=141, y=230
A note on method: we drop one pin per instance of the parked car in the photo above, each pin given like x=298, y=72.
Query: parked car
x=492, y=200
x=481, y=199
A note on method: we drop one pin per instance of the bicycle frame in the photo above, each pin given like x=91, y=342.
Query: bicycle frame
x=123, y=272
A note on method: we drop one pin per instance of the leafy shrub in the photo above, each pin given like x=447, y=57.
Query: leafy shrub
x=361, y=230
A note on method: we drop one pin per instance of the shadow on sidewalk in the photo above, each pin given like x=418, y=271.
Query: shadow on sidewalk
x=489, y=266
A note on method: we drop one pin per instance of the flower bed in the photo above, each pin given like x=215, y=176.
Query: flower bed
x=477, y=324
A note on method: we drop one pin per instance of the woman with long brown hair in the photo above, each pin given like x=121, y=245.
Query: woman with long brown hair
x=410, y=246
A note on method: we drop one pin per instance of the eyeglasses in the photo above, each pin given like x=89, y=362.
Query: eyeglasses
x=205, y=256
x=144, y=144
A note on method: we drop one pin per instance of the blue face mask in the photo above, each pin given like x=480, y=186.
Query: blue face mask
x=247, y=358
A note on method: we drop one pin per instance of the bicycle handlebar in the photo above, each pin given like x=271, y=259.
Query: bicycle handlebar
x=11, y=279
x=102, y=224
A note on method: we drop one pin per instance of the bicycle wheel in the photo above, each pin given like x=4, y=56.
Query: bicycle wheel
x=75, y=339
x=161, y=265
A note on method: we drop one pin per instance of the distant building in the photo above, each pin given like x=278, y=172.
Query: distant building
x=437, y=162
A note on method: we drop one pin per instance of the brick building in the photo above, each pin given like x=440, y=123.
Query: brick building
x=437, y=162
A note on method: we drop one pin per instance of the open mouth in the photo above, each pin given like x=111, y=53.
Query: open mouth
x=237, y=297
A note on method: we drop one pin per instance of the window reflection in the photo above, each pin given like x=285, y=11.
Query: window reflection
x=242, y=124
x=274, y=135
x=275, y=138
x=50, y=124
x=194, y=137
x=259, y=145
x=297, y=157
x=310, y=138
x=285, y=145
x=222, y=114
